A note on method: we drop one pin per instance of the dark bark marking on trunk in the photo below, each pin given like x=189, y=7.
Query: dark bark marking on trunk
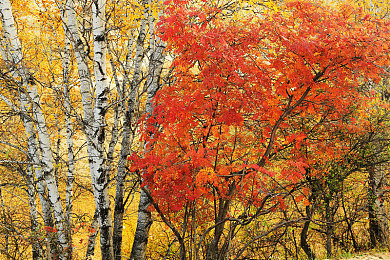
x=100, y=38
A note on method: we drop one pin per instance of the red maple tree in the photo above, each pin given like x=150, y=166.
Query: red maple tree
x=237, y=85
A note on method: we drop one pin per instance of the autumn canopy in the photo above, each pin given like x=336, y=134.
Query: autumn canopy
x=243, y=129
x=238, y=87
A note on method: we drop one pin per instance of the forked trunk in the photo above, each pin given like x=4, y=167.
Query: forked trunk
x=144, y=220
x=126, y=140
x=14, y=60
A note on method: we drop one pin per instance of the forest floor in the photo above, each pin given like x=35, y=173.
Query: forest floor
x=370, y=256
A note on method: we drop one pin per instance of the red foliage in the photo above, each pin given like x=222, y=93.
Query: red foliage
x=50, y=229
x=237, y=84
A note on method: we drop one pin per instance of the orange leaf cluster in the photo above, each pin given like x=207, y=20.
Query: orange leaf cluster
x=237, y=86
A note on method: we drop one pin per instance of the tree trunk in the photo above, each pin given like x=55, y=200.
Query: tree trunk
x=126, y=140
x=69, y=142
x=71, y=30
x=378, y=223
x=31, y=194
x=144, y=220
x=100, y=175
x=94, y=119
x=305, y=246
x=93, y=232
x=212, y=251
x=15, y=52
x=34, y=154
x=144, y=223
x=48, y=171
x=329, y=226
x=70, y=21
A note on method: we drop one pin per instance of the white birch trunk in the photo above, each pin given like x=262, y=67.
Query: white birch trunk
x=126, y=140
x=48, y=171
x=94, y=230
x=15, y=51
x=31, y=194
x=69, y=144
x=70, y=24
x=3, y=215
x=378, y=216
x=144, y=220
x=69, y=138
x=70, y=21
x=94, y=119
x=100, y=175
x=25, y=109
x=34, y=154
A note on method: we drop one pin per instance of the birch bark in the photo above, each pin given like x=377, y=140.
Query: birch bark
x=144, y=220
x=94, y=115
x=378, y=217
x=15, y=52
x=34, y=155
x=48, y=171
x=31, y=194
x=100, y=176
x=69, y=140
x=126, y=139
x=70, y=25
x=94, y=229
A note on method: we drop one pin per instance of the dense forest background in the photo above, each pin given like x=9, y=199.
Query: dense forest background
x=221, y=129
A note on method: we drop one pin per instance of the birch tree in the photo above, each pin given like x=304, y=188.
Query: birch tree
x=127, y=136
x=156, y=61
x=15, y=63
x=99, y=176
x=95, y=132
